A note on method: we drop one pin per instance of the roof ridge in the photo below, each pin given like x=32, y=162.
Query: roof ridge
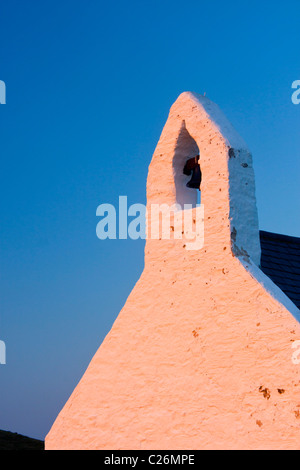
x=279, y=236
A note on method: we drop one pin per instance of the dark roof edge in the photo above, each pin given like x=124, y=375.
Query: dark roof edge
x=277, y=236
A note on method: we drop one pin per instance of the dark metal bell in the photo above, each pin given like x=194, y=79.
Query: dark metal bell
x=192, y=166
x=195, y=179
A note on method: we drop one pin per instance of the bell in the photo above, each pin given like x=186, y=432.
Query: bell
x=192, y=166
x=195, y=179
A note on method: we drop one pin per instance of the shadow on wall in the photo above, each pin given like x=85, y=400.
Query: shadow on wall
x=186, y=148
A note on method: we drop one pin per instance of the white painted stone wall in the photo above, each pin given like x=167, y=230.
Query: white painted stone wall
x=200, y=357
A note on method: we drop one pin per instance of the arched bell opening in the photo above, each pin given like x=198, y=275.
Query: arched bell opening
x=186, y=151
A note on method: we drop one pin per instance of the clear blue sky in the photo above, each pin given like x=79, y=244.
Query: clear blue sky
x=89, y=87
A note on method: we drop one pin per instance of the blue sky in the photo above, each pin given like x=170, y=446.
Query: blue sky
x=89, y=87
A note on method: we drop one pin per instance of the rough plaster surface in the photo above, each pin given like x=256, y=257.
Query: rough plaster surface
x=200, y=355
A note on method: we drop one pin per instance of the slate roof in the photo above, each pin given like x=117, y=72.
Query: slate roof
x=280, y=261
